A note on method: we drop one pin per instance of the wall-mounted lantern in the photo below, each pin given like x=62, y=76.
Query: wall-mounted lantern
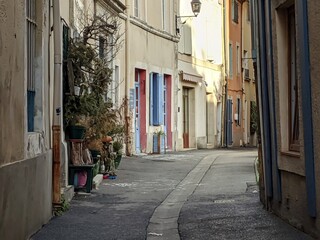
x=195, y=6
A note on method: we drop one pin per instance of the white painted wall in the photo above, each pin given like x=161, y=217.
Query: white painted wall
x=200, y=53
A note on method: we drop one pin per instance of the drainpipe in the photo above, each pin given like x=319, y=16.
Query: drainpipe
x=56, y=128
x=262, y=85
x=254, y=48
x=126, y=82
x=306, y=94
x=242, y=123
x=225, y=76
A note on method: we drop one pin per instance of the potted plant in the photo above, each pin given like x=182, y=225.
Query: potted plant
x=158, y=136
x=117, y=148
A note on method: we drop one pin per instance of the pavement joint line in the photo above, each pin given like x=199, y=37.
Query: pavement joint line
x=187, y=186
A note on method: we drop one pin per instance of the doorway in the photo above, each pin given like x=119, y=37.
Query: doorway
x=185, y=117
x=140, y=111
x=229, y=122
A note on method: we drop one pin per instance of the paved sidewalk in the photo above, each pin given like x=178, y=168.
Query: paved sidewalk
x=226, y=205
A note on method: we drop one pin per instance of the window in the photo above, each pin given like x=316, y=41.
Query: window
x=248, y=11
x=293, y=84
x=156, y=110
x=245, y=66
x=101, y=47
x=238, y=61
x=230, y=61
x=238, y=112
x=234, y=11
x=106, y=52
x=136, y=8
x=65, y=73
x=116, y=86
x=164, y=15
x=31, y=52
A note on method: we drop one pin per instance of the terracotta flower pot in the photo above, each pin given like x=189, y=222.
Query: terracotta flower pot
x=106, y=139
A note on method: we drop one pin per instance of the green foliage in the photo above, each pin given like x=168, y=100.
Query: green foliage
x=91, y=71
x=253, y=117
x=58, y=211
x=92, y=76
x=160, y=133
x=117, y=147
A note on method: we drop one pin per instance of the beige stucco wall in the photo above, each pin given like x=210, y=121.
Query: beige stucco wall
x=152, y=48
x=12, y=88
x=294, y=206
x=25, y=158
x=249, y=87
x=314, y=38
x=201, y=54
x=26, y=199
x=211, y=85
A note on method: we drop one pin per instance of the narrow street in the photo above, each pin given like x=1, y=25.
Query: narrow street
x=204, y=194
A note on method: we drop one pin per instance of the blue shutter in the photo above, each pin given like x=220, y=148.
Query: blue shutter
x=156, y=99
x=160, y=99
x=151, y=99
x=162, y=144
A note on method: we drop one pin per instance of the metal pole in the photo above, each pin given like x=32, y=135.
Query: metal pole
x=126, y=82
x=56, y=128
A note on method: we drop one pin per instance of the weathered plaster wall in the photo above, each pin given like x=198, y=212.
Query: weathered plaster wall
x=235, y=85
x=12, y=76
x=294, y=206
x=153, y=53
x=314, y=38
x=25, y=161
x=25, y=202
x=249, y=85
x=200, y=54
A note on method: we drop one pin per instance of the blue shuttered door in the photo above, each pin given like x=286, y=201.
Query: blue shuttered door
x=229, y=125
x=160, y=109
x=156, y=100
x=162, y=144
x=151, y=99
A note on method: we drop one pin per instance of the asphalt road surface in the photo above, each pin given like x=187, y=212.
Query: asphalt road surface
x=200, y=194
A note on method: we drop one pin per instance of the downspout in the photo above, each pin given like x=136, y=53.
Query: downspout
x=241, y=75
x=277, y=189
x=49, y=70
x=126, y=82
x=306, y=102
x=176, y=77
x=225, y=76
x=262, y=84
x=254, y=42
x=56, y=128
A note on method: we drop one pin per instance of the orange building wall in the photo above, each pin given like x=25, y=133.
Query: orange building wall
x=235, y=83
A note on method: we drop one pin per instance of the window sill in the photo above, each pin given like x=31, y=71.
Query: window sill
x=291, y=154
x=291, y=162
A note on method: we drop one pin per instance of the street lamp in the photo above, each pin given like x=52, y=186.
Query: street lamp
x=195, y=6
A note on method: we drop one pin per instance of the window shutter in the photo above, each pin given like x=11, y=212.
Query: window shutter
x=161, y=100
x=230, y=61
x=240, y=115
x=236, y=12
x=151, y=99
x=187, y=40
x=156, y=99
